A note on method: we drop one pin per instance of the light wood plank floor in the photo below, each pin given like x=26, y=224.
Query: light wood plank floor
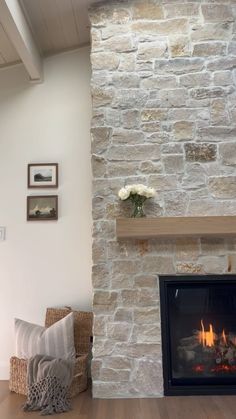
x=84, y=407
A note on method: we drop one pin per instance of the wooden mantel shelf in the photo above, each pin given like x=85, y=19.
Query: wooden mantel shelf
x=148, y=228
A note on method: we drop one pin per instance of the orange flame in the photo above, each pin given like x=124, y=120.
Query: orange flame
x=206, y=338
x=224, y=337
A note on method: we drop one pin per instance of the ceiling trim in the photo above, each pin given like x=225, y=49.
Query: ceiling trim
x=18, y=31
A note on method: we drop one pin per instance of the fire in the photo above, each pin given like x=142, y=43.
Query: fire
x=224, y=337
x=206, y=338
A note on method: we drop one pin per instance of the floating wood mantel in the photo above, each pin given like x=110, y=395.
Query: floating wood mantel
x=150, y=228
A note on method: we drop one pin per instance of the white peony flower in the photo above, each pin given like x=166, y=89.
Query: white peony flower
x=138, y=189
x=124, y=193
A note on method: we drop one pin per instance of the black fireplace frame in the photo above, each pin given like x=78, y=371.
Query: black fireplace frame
x=171, y=389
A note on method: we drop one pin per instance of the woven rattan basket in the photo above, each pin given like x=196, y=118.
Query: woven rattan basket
x=82, y=335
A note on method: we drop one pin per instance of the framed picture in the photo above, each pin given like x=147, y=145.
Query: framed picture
x=42, y=208
x=43, y=175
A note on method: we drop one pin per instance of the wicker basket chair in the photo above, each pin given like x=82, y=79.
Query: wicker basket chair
x=82, y=335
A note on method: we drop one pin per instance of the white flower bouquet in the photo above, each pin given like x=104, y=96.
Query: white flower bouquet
x=138, y=194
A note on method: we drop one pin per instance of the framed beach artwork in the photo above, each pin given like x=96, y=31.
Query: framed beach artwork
x=43, y=175
x=42, y=208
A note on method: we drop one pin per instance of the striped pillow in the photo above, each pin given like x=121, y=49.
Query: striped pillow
x=56, y=340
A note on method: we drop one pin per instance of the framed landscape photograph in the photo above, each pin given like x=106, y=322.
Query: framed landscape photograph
x=42, y=208
x=43, y=175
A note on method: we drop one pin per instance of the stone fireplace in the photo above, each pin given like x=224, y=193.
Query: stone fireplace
x=164, y=112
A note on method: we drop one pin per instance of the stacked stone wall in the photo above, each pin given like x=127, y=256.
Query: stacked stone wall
x=164, y=114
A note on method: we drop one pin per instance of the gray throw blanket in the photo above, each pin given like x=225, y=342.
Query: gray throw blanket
x=48, y=381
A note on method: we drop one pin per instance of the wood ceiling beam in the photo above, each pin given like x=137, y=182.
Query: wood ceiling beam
x=18, y=31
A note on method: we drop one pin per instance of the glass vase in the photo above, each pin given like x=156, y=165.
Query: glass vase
x=138, y=202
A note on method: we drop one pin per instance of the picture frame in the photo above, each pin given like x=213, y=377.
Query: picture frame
x=42, y=207
x=43, y=175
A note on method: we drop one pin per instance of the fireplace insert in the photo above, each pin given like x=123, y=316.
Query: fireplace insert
x=198, y=319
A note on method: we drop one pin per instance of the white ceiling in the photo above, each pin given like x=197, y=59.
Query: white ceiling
x=56, y=25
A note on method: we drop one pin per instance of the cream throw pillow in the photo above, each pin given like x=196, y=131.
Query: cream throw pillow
x=56, y=340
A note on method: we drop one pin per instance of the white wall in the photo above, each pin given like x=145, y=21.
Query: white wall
x=44, y=264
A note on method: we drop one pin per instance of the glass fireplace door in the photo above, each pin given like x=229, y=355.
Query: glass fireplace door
x=199, y=336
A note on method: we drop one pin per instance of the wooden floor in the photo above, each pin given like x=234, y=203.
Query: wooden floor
x=84, y=407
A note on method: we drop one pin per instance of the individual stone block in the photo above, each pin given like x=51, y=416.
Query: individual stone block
x=98, y=166
x=125, y=80
x=145, y=281
x=150, y=114
x=96, y=365
x=122, y=168
x=146, y=315
x=118, y=363
x=201, y=207
x=161, y=28
x=173, y=98
x=130, y=98
x=158, y=264
x=187, y=249
x=109, y=374
x=99, y=251
x=195, y=80
x=163, y=182
x=123, y=43
x=226, y=63
x=183, y=130
x=99, y=16
x=209, y=48
x=104, y=302
x=148, y=379
x=211, y=31
x=189, y=268
x=223, y=186
x=146, y=334
x=104, y=390
x=119, y=331
x=104, y=61
x=149, y=167
x=130, y=119
x=150, y=126
x=150, y=50
x=227, y=153
x=99, y=325
x=123, y=315
x=149, y=10
x=183, y=10
x=217, y=13
x=102, y=97
x=189, y=114
x=203, y=152
x=173, y=163
x=179, y=65
x=223, y=78
x=134, y=153
x=208, y=93
x=180, y=46
x=175, y=203
x=100, y=276
x=122, y=136
x=100, y=139
x=127, y=62
x=219, y=113
x=159, y=82
x=217, y=134
x=137, y=350
x=172, y=148
x=214, y=264
x=126, y=267
x=213, y=246
x=232, y=48
x=195, y=177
